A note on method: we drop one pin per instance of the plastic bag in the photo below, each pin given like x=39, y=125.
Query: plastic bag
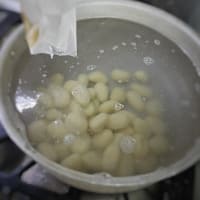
x=50, y=26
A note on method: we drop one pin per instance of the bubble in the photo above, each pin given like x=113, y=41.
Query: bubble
x=77, y=91
x=127, y=144
x=101, y=51
x=65, y=61
x=138, y=36
x=98, y=57
x=146, y=41
x=133, y=44
x=124, y=44
x=72, y=67
x=91, y=67
x=57, y=122
x=148, y=60
x=20, y=81
x=69, y=139
x=78, y=63
x=118, y=106
x=157, y=42
x=44, y=75
x=115, y=47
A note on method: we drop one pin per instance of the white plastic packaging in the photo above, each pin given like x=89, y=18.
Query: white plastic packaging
x=50, y=26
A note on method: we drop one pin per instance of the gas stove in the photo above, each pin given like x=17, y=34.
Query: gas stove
x=23, y=179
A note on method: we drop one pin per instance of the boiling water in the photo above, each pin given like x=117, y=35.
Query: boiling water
x=106, y=44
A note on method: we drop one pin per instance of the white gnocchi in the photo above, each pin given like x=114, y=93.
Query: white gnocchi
x=92, y=161
x=76, y=123
x=81, y=95
x=111, y=158
x=102, y=91
x=92, y=124
x=98, y=123
x=141, y=76
x=83, y=79
x=135, y=101
x=37, y=131
x=142, y=90
x=97, y=77
x=118, y=94
x=107, y=106
x=121, y=76
x=73, y=161
x=47, y=150
x=103, y=139
x=118, y=120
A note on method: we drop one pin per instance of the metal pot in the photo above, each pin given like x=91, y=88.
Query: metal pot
x=186, y=79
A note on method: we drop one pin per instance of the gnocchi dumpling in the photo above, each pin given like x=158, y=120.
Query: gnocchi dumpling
x=46, y=100
x=97, y=77
x=159, y=145
x=69, y=85
x=107, y=106
x=118, y=94
x=83, y=79
x=135, y=101
x=121, y=76
x=92, y=161
x=101, y=91
x=61, y=150
x=90, y=110
x=103, y=139
x=53, y=114
x=60, y=96
x=73, y=162
x=118, y=120
x=91, y=126
x=76, y=123
x=142, y=127
x=56, y=130
x=142, y=90
x=80, y=145
x=111, y=158
x=141, y=76
x=81, y=95
x=99, y=122
x=154, y=107
x=47, y=150
x=141, y=149
x=126, y=166
x=57, y=79
x=37, y=131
